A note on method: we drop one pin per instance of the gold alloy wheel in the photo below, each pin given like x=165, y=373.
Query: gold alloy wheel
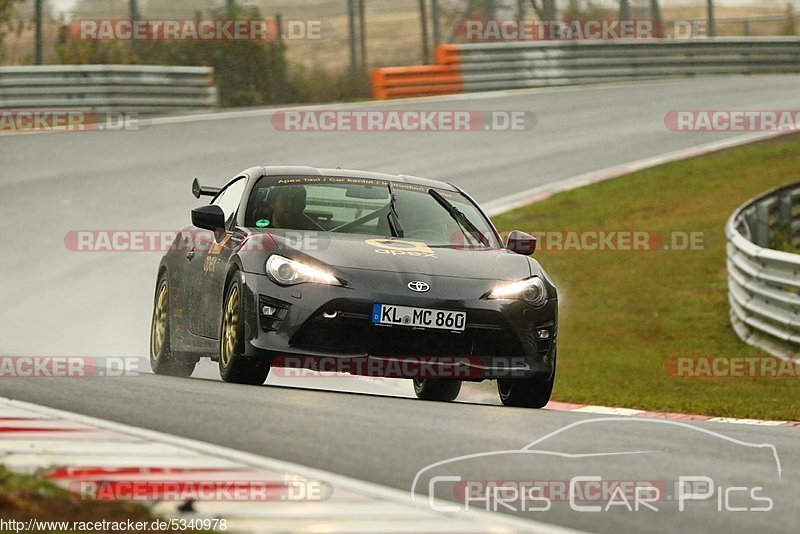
x=159, y=326
x=230, y=327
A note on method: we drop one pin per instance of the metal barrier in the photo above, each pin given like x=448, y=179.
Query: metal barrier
x=425, y=80
x=108, y=88
x=764, y=283
x=529, y=64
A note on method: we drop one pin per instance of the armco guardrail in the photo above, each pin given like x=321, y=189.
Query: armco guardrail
x=424, y=80
x=764, y=284
x=527, y=64
x=106, y=88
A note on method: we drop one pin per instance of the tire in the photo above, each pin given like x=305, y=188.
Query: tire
x=234, y=367
x=162, y=360
x=437, y=389
x=532, y=392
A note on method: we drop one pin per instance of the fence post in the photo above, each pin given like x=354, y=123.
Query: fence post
x=38, y=10
x=351, y=15
x=785, y=215
x=761, y=231
x=491, y=10
x=362, y=31
x=712, y=30
x=133, y=9
x=624, y=10
x=437, y=33
x=423, y=19
x=785, y=211
x=550, y=10
x=655, y=10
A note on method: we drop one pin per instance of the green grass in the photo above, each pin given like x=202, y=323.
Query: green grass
x=623, y=315
x=15, y=484
x=24, y=497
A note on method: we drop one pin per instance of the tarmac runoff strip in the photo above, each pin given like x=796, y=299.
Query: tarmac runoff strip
x=606, y=410
x=76, y=451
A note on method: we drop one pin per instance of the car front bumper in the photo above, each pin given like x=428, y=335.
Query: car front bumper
x=328, y=328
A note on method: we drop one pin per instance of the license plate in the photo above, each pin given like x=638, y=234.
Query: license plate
x=389, y=314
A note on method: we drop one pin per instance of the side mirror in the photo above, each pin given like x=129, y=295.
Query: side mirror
x=521, y=243
x=209, y=217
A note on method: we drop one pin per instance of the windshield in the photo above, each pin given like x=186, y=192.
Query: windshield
x=364, y=207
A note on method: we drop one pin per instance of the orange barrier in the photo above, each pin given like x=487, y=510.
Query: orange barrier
x=423, y=80
x=447, y=55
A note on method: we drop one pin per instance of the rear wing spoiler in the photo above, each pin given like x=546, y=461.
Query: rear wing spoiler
x=202, y=191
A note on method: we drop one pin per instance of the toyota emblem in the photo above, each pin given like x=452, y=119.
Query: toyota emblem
x=419, y=287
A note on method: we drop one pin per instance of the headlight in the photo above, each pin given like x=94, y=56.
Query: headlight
x=288, y=272
x=532, y=291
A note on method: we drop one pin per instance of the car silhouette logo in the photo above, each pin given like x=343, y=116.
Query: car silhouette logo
x=419, y=287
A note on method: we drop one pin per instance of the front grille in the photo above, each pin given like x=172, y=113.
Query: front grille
x=354, y=334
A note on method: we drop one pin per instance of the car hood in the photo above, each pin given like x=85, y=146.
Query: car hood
x=402, y=255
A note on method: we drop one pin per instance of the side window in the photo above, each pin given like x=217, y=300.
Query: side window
x=229, y=199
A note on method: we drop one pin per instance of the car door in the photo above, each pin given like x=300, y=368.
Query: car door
x=207, y=265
